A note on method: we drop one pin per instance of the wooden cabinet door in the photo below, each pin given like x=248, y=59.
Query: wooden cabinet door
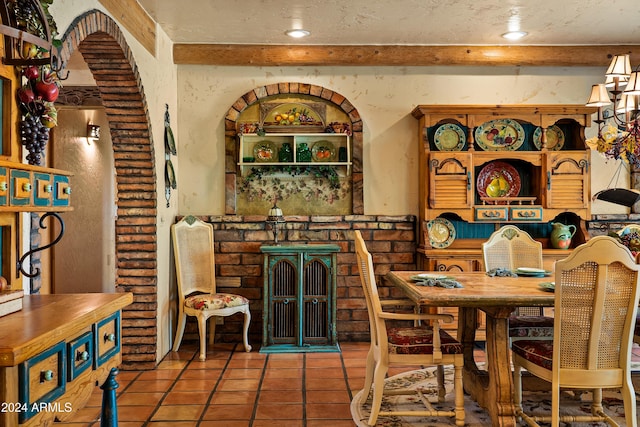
x=450, y=180
x=567, y=179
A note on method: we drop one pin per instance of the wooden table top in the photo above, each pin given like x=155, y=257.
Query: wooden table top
x=479, y=290
x=47, y=319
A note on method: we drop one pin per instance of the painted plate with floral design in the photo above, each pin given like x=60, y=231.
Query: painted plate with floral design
x=449, y=137
x=555, y=138
x=441, y=232
x=498, y=179
x=500, y=135
x=264, y=152
x=323, y=151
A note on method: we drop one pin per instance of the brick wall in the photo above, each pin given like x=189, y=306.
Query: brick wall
x=390, y=239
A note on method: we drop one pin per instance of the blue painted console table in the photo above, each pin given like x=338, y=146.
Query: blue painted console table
x=52, y=354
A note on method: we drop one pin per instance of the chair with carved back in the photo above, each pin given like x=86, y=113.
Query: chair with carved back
x=414, y=345
x=596, y=302
x=511, y=248
x=193, y=249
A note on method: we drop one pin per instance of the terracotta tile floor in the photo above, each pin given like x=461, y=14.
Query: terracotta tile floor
x=237, y=389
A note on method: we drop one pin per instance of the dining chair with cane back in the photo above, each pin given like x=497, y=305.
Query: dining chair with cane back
x=511, y=248
x=596, y=302
x=413, y=345
x=193, y=249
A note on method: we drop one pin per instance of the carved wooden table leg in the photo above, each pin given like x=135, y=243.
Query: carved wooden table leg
x=493, y=388
x=109, y=416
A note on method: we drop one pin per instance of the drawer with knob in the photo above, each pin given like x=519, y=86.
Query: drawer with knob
x=20, y=188
x=107, y=338
x=80, y=354
x=492, y=213
x=43, y=189
x=42, y=380
x=526, y=213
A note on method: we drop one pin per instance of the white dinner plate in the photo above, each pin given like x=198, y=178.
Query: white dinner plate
x=425, y=276
x=531, y=270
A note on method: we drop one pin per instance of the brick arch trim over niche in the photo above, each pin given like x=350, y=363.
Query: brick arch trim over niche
x=104, y=49
x=258, y=94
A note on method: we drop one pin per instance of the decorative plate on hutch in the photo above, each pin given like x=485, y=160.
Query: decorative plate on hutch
x=499, y=135
x=555, y=138
x=449, y=137
x=441, y=233
x=498, y=179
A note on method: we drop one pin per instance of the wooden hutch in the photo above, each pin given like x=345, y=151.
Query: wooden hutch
x=482, y=166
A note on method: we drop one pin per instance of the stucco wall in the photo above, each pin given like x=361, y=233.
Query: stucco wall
x=384, y=97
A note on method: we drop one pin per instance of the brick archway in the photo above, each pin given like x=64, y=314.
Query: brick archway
x=99, y=39
x=258, y=94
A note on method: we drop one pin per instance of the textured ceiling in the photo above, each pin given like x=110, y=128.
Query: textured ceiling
x=399, y=22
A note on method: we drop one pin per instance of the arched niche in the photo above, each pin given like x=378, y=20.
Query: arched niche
x=291, y=91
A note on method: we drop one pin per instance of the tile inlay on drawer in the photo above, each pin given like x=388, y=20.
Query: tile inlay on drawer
x=42, y=380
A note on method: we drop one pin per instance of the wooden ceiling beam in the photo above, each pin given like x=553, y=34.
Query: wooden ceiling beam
x=134, y=18
x=386, y=55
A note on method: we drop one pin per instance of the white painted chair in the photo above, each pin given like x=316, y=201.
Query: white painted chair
x=195, y=270
x=596, y=302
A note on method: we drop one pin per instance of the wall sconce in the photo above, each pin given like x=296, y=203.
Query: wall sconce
x=93, y=132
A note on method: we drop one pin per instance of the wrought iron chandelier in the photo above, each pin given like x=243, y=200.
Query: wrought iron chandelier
x=619, y=126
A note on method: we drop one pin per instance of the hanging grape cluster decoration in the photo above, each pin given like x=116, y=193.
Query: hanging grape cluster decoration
x=39, y=77
x=36, y=97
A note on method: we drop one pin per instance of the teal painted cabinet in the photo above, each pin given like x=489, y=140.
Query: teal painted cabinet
x=299, y=298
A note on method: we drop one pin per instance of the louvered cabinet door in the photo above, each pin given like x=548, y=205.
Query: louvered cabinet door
x=317, y=325
x=567, y=180
x=450, y=181
x=299, y=298
x=283, y=310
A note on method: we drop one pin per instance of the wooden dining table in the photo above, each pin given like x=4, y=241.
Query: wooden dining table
x=497, y=297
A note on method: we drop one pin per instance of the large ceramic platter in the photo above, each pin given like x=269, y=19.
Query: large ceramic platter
x=500, y=135
x=441, y=232
x=449, y=137
x=498, y=179
x=264, y=152
x=555, y=138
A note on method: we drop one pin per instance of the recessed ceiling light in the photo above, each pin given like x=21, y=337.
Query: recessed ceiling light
x=297, y=33
x=514, y=35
